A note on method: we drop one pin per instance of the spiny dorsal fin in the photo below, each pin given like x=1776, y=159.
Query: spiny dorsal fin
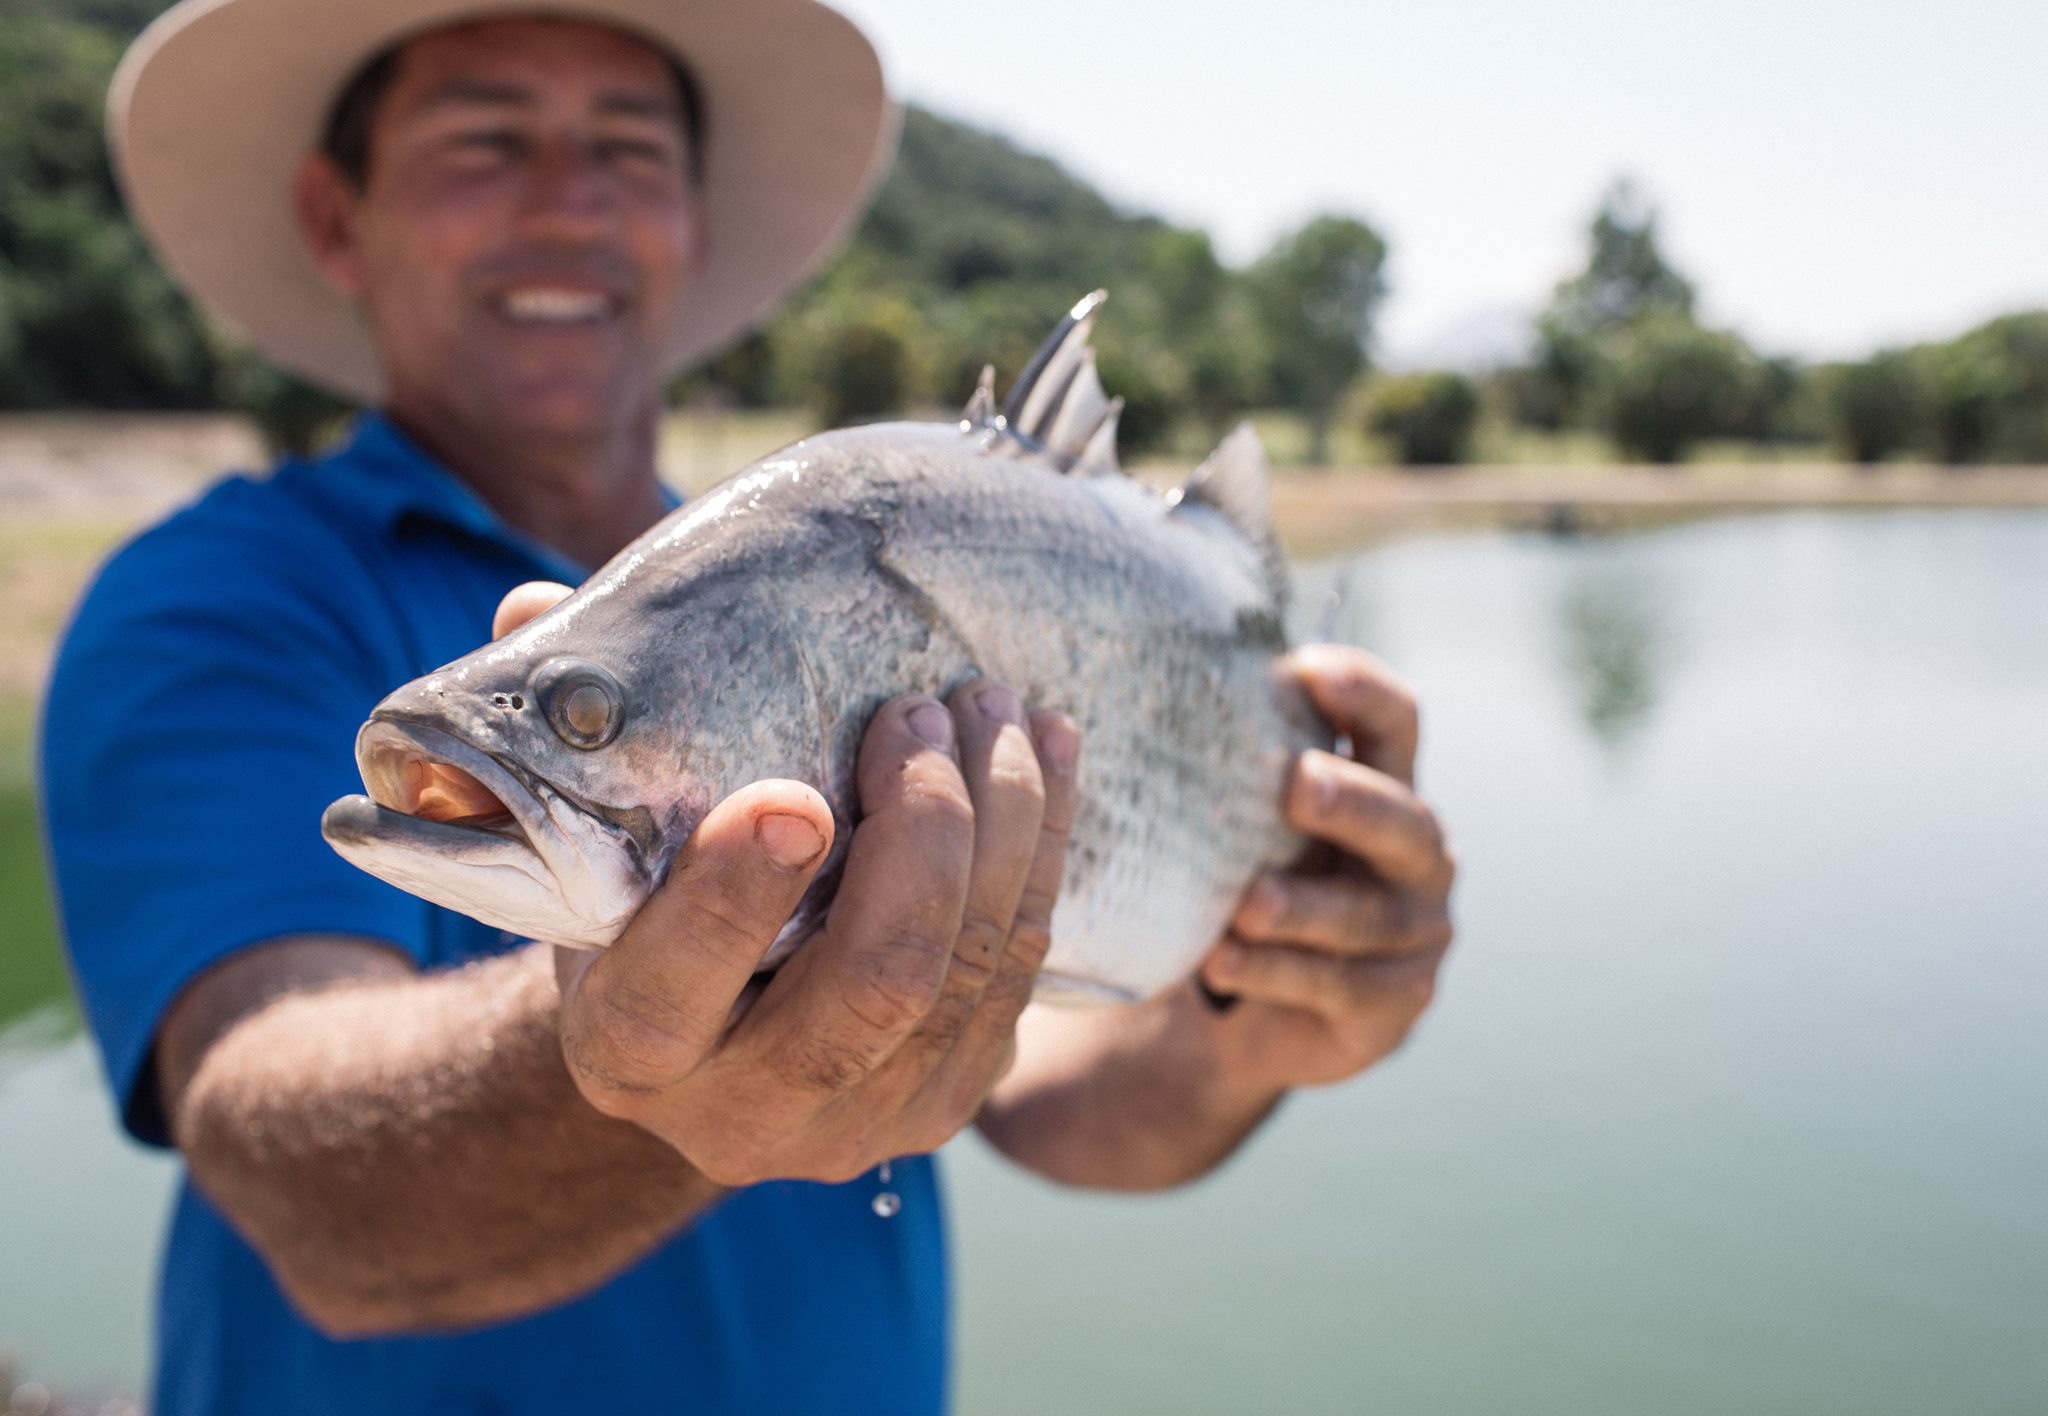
x=1233, y=482
x=1058, y=405
x=980, y=411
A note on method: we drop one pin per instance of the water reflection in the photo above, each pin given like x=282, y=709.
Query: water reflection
x=1615, y=633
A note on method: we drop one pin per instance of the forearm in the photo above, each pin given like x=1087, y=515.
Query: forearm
x=1137, y=1098
x=413, y=1154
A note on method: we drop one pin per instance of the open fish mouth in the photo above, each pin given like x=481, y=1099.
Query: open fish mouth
x=450, y=822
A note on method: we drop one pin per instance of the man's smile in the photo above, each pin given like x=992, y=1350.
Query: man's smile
x=556, y=305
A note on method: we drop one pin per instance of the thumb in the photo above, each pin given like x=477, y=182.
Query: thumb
x=644, y=1012
x=525, y=602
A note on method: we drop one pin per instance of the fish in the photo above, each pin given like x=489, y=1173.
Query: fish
x=544, y=783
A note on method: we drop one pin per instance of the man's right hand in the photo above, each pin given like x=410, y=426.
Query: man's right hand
x=883, y=1033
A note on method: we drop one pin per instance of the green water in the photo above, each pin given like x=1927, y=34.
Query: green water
x=1733, y=1099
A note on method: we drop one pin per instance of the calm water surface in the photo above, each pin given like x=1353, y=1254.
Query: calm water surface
x=1735, y=1097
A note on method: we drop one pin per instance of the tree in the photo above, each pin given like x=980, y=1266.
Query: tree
x=1991, y=392
x=1316, y=295
x=860, y=356
x=1671, y=383
x=1626, y=276
x=1626, y=279
x=1429, y=418
x=1880, y=406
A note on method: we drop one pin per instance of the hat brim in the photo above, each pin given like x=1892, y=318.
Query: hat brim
x=216, y=103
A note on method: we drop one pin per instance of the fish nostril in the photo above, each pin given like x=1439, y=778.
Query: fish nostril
x=513, y=701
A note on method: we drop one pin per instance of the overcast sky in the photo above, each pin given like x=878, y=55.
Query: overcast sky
x=1835, y=174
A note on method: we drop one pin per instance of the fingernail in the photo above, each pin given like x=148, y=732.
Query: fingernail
x=1322, y=782
x=998, y=704
x=789, y=841
x=931, y=725
x=1059, y=746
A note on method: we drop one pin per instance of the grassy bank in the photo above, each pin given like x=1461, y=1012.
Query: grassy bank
x=31, y=967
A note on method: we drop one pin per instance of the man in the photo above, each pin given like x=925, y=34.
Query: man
x=434, y=1168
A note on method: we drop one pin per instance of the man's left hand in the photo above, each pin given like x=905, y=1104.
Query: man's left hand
x=1331, y=962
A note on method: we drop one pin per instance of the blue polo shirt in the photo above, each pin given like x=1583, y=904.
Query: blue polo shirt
x=202, y=715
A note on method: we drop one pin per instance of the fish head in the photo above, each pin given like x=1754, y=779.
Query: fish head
x=544, y=783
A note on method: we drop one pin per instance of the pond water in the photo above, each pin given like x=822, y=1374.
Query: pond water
x=1735, y=1097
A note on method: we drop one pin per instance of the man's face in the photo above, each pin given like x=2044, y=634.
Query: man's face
x=527, y=227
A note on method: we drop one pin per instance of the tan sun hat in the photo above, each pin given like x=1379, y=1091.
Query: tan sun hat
x=217, y=102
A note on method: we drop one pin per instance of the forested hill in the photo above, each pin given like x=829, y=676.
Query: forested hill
x=972, y=250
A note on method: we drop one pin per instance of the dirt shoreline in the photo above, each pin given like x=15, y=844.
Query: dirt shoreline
x=74, y=485
x=1322, y=511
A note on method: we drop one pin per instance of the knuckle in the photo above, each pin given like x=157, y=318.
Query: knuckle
x=976, y=955
x=716, y=926
x=942, y=1030
x=898, y=980
x=946, y=804
x=617, y=1046
x=1433, y=932
x=1404, y=713
x=1031, y=936
x=817, y=1063
x=1006, y=997
x=1431, y=831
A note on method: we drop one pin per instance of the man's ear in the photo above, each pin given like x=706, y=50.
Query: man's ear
x=325, y=203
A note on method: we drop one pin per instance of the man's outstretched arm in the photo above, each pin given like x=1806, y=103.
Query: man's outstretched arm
x=1330, y=964
x=416, y=1151
x=408, y=1151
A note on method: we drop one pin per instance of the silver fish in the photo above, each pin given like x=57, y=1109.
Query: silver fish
x=544, y=783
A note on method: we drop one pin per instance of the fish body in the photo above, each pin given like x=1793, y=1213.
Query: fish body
x=544, y=782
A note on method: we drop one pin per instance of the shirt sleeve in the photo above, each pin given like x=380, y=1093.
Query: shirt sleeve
x=201, y=716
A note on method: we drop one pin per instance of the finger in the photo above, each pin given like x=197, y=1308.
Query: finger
x=992, y=1029
x=845, y=1001
x=1366, y=701
x=1371, y=816
x=644, y=1012
x=1329, y=984
x=525, y=602
x=1003, y=780
x=1336, y=914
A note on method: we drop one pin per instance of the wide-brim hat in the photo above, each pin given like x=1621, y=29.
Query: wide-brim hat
x=217, y=102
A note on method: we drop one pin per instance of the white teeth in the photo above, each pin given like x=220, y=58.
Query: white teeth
x=548, y=305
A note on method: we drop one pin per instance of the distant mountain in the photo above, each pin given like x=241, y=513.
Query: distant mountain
x=1476, y=342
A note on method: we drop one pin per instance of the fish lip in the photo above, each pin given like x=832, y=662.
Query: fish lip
x=386, y=740
x=531, y=799
x=598, y=870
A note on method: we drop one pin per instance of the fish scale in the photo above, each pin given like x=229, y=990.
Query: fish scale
x=755, y=632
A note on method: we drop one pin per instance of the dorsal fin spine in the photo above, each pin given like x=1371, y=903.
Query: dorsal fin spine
x=1058, y=407
x=1234, y=483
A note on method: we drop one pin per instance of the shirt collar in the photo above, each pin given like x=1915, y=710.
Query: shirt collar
x=392, y=478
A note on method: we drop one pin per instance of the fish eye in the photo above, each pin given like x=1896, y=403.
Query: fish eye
x=582, y=701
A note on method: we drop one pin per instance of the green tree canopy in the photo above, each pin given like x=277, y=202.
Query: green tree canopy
x=1316, y=295
x=1880, y=406
x=1429, y=418
x=1668, y=383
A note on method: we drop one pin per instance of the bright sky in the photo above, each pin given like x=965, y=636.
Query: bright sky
x=1835, y=174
